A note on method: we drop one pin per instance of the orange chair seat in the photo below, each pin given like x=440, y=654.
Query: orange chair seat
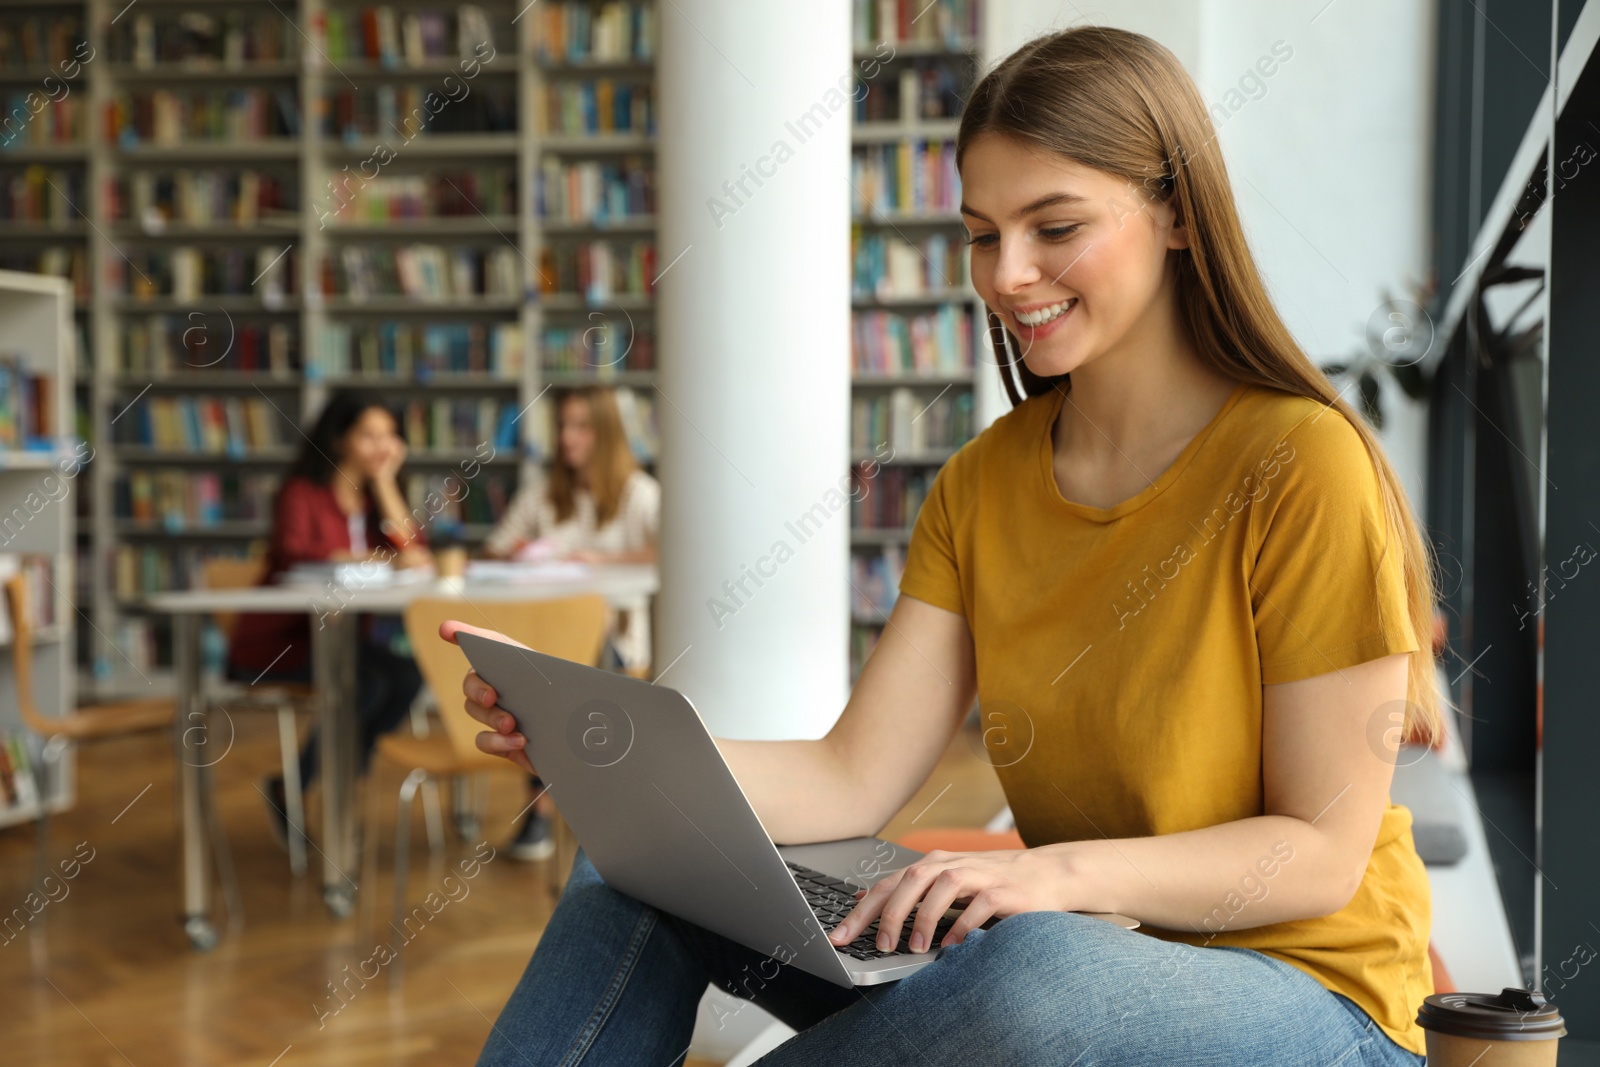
x=269, y=694
x=116, y=718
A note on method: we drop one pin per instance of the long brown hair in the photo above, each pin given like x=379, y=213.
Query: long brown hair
x=610, y=465
x=1121, y=103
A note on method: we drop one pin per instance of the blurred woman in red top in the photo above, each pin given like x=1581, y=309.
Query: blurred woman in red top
x=339, y=502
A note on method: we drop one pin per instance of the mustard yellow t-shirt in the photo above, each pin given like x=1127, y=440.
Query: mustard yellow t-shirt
x=1121, y=651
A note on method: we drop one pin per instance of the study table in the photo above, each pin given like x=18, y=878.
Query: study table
x=333, y=609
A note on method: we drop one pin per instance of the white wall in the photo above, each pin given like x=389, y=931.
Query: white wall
x=1330, y=159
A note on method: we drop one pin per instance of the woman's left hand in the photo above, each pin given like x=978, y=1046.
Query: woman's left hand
x=990, y=884
x=389, y=470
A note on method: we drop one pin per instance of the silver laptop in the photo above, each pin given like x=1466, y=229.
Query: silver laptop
x=660, y=815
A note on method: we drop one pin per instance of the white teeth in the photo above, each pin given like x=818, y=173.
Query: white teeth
x=1044, y=315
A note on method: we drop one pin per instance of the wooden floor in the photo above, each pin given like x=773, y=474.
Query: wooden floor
x=104, y=975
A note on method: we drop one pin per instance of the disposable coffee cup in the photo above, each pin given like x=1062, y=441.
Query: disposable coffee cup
x=450, y=562
x=1512, y=1028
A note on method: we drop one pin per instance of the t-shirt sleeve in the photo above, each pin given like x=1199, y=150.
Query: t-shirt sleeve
x=1327, y=587
x=931, y=572
x=644, y=510
x=520, y=521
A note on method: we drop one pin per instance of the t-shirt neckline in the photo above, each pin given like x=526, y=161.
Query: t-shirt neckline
x=1046, y=454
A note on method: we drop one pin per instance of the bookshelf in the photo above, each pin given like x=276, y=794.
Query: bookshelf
x=450, y=204
x=40, y=470
x=916, y=321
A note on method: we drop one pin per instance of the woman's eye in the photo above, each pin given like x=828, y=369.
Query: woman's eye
x=1057, y=232
x=984, y=239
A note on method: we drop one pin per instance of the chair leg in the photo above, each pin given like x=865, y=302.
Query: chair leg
x=432, y=816
x=49, y=752
x=293, y=789
x=223, y=851
x=419, y=712
x=402, y=852
x=467, y=796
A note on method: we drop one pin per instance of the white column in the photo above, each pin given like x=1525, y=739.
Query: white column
x=754, y=334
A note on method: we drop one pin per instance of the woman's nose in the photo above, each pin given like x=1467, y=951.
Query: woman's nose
x=1014, y=266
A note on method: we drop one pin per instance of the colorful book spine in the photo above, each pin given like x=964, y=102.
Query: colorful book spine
x=890, y=343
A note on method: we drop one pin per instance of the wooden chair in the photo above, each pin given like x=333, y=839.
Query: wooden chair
x=282, y=698
x=573, y=628
x=94, y=722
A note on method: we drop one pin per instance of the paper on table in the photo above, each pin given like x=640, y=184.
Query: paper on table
x=356, y=573
x=495, y=570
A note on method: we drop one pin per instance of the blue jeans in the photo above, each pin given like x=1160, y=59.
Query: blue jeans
x=615, y=981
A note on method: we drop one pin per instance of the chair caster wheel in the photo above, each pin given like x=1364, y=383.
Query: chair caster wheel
x=202, y=935
x=341, y=903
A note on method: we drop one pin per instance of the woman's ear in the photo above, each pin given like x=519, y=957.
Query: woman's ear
x=1178, y=235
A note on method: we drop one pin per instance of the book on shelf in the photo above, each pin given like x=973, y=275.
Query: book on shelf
x=466, y=193
x=875, y=581
x=908, y=423
x=583, y=107
x=144, y=568
x=912, y=175
x=203, y=116
x=230, y=38
x=36, y=39
x=890, y=498
x=451, y=425
x=595, y=191
x=891, y=342
x=199, y=196
x=190, y=273
x=232, y=426
x=926, y=89
x=394, y=114
x=604, y=345
x=404, y=37
x=428, y=272
x=18, y=788
x=185, y=499
x=598, y=270
x=453, y=500
x=951, y=23
x=166, y=344
x=576, y=32
x=889, y=265
x=27, y=404
x=59, y=120
x=40, y=194
x=39, y=575
x=420, y=350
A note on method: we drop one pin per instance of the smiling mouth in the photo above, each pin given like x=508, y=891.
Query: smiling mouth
x=1045, y=314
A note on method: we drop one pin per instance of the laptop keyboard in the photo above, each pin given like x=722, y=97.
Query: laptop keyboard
x=831, y=899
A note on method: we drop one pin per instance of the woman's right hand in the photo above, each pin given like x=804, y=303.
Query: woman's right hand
x=502, y=738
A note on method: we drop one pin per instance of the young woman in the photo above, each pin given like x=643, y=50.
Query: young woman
x=1184, y=583
x=594, y=504
x=338, y=502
